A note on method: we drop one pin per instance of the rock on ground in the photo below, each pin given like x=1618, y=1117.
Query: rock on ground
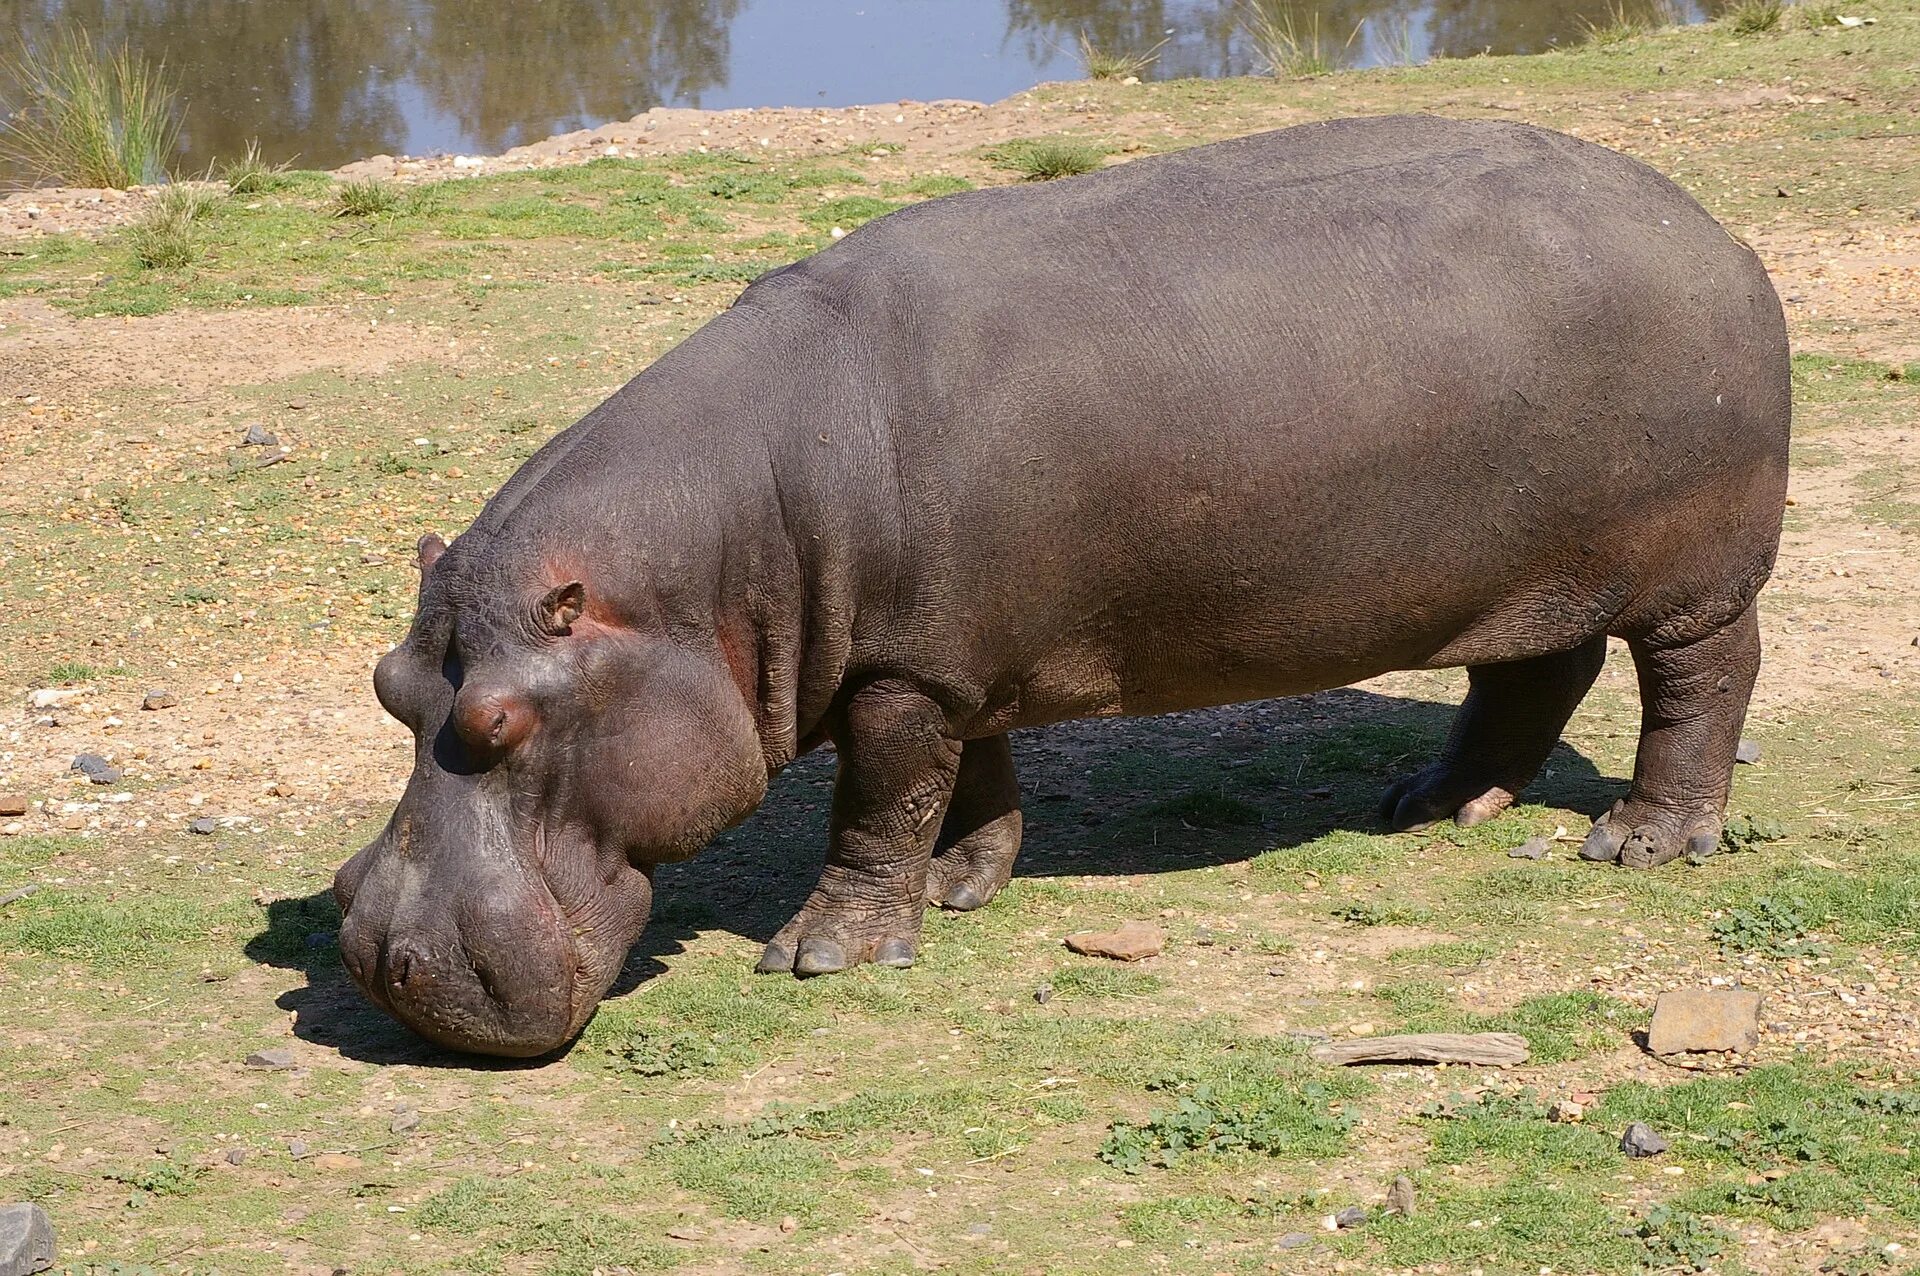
x=1639, y=1140
x=1129, y=942
x=26, y=1240
x=1694, y=1019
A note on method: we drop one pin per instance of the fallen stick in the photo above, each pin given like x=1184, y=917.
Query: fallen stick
x=1487, y=1049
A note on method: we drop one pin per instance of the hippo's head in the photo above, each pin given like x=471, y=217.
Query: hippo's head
x=562, y=750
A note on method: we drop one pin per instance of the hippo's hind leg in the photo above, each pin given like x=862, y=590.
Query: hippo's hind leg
x=1508, y=724
x=897, y=771
x=980, y=837
x=1693, y=699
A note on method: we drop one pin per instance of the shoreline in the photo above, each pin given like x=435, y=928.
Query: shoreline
x=929, y=129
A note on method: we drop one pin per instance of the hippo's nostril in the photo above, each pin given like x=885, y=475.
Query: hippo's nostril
x=405, y=960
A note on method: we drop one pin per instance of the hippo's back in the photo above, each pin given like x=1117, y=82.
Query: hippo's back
x=1295, y=409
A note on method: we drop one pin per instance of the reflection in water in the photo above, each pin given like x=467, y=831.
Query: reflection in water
x=334, y=80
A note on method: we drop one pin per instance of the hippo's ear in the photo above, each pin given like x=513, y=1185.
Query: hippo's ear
x=561, y=607
x=430, y=549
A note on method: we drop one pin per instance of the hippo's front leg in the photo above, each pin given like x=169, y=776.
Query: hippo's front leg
x=897, y=770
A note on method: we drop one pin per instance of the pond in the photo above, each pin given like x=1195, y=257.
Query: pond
x=328, y=81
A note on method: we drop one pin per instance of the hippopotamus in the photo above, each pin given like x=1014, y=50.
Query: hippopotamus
x=1252, y=419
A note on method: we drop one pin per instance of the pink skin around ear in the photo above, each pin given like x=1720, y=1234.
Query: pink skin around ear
x=430, y=549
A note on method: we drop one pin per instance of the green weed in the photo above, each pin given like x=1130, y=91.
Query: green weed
x=1267, y=1117
x=1750, y=17
x=1769, y=926
x=1676, y=1240
x=72, y=671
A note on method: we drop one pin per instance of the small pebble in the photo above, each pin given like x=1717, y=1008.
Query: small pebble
x=205, y=824
x=277, y=1059
x=1294, y=1240
x=1043, y=994
x=259, y=436
x=159, y=698
x=96, y=768
x=1748, y=752
x=1352, y=1216
x=1532, y=849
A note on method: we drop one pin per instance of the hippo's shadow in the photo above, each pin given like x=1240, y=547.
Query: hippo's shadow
x=1115, y=797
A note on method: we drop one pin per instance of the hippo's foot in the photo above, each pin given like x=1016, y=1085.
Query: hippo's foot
x=1439, y=792
x=1644, y=835
x=837, y=929
x=972, y=870
x=980, y=838
x=1508, y=724
x=1693, y=697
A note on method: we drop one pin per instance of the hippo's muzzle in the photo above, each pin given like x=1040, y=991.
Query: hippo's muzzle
x=479, y=953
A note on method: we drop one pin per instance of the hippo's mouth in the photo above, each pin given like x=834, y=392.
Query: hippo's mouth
x=508, y=965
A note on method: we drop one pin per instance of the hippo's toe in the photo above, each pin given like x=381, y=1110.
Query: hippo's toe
x=1644, y=835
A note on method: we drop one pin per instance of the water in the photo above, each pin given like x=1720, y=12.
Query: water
x=328, y=81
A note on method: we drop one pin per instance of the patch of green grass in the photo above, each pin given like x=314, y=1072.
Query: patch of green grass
x=934, y=185
x=89, y=115
x=530, y=1215
x=1333, y=854
x=72, y=671
x=1231, y=1110
x=1100, y=983
x=1381, y=913
x=141, y=929
x=1045, y=159
x=850, y=212
x=366, y=197
x=1526, y=1224
x=1557, y=1026
x=1206, y=809
x=1459, y=953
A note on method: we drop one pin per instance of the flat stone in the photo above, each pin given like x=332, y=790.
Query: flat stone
x=1294, y=1240
x=259, y=436
x=1400, y=1197
x=19, y=893
x=54, y=697
x=1747, y=752
x=1130, y=941
x=1639, y=1140
x=1352, y=1216
x=159, y=698
x=1532, y=849
x=96, y=768
x=12, y=804
x=1695, y=1019
x=26, y=1240
x=277, y=1059
x=205, y=824
x=405, y=1117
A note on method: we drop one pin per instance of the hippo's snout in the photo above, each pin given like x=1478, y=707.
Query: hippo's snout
x=492, y=966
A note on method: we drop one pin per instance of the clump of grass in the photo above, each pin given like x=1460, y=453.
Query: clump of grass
x=1751, y=17
x=1770, y=926
x=1109, y=64
x=72, y=671
x=164, y=237
x=89, y=116
x=368, y=197
x=1623, y=22
x=1382, y=913
x=1267, y=1116
x=1043, y=160
x=252, y=175
x=1286, y=44
x=1395, y=43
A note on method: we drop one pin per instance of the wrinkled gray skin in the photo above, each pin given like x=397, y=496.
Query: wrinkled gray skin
x=1250, y=420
